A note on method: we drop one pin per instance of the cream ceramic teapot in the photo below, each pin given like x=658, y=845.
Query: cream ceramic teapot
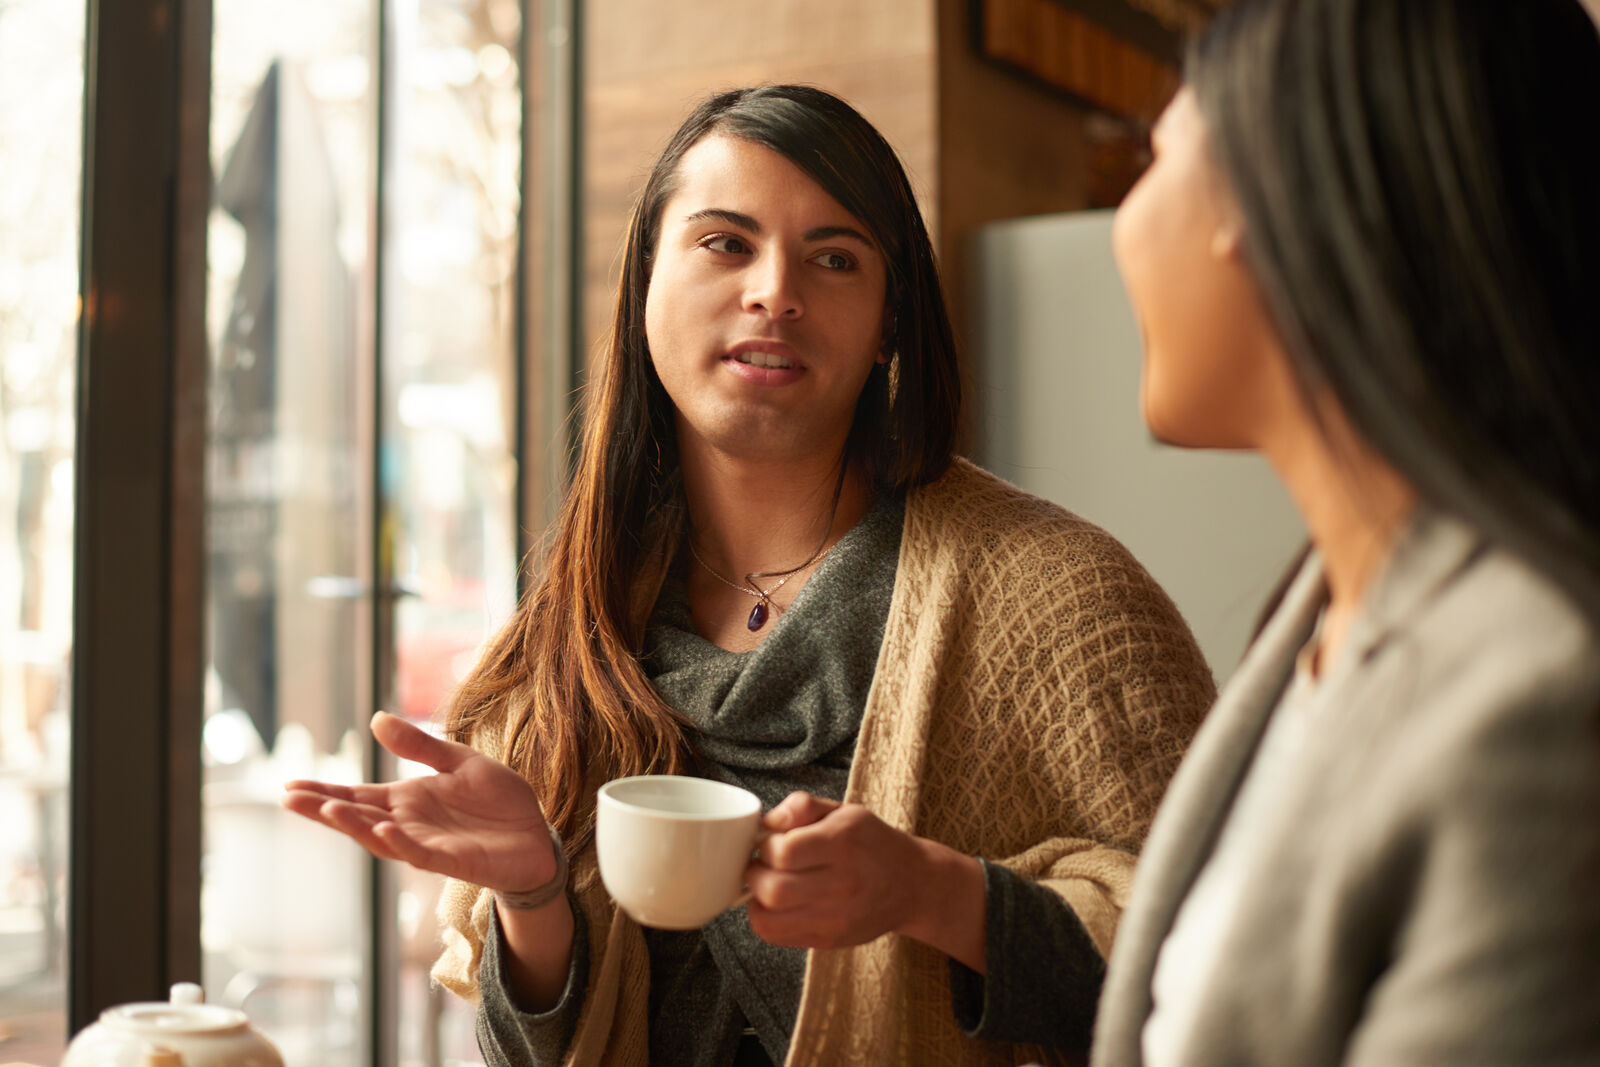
x=182, y=1032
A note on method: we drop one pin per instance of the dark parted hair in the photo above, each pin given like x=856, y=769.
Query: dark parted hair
x=1420, y=187
x=560, y=694
x=907, y=418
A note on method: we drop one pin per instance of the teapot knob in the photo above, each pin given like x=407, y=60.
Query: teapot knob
x=187, y=993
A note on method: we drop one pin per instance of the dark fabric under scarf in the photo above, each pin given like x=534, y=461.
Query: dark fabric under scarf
x=779, y=718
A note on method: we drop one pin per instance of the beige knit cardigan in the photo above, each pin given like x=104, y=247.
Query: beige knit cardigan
x=1033, y=695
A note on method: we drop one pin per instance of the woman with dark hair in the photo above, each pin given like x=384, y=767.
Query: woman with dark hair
x=771, y=570
x=1367, y=248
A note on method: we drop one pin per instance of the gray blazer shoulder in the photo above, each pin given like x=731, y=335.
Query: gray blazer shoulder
x=1426, y=892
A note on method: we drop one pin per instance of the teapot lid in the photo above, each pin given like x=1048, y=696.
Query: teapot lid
x=159, y=1017
x=183, y=1014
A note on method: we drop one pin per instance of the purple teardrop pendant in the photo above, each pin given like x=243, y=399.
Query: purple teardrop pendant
x=758, y=616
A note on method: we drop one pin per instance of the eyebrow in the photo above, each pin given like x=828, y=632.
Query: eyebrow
x=747, y=222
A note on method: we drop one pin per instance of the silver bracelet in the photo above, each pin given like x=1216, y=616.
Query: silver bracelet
x=539, y=897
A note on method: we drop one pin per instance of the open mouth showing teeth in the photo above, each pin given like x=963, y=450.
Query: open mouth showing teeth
x=763, y=359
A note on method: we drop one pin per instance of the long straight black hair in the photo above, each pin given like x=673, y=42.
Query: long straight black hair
x=1422, y=211
x=560, y=695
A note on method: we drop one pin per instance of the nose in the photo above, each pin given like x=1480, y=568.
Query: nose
x=772, y=288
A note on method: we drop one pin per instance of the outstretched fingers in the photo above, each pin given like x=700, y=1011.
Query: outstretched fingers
x=374, y=794
x=400, y=845
x=408, y=742
x=356, y=821
x=305, y=800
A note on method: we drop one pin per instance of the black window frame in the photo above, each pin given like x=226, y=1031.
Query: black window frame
x=139, y=555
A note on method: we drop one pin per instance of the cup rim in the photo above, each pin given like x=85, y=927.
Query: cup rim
x=752, y=807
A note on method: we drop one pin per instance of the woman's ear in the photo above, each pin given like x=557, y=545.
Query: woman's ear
x=886, y=346
x=1228, y=233
x=1227, y=240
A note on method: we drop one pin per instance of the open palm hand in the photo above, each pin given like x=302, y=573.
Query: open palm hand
x=475, y=819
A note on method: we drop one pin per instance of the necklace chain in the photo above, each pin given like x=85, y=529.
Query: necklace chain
x=758, y=614
x=751, y=588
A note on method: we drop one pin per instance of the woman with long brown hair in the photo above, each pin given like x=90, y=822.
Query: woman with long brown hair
x=1366, y=249
x=770, y=569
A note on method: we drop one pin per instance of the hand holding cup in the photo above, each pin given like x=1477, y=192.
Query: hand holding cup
x=833, y=875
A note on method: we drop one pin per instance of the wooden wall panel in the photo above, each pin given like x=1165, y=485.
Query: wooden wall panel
x=1006, y=148
x=1073, y=53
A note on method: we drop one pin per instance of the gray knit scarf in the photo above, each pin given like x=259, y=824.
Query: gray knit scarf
x=781, y=717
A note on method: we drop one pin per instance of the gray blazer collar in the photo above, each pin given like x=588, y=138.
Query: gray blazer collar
x=1196, y=803
x=1433, y=549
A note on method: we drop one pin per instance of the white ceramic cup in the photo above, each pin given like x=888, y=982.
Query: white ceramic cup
x=673, y=849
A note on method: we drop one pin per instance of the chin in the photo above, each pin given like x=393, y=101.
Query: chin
x=1162, y=435
x=1176, y=432
x=1157, y=421
x=1189, y=423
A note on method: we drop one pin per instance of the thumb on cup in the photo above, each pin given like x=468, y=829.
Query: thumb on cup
x=797, y=810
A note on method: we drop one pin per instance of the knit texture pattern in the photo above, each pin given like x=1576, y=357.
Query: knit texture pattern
x=1033, y=695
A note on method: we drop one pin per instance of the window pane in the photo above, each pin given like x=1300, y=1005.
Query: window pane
x=450, y=291
x=284, y=918
x=41, y=121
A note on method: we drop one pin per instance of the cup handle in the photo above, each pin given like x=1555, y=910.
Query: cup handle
x=744, y=898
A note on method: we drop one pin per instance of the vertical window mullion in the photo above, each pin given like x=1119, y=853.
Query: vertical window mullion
x=382, y=961
x=133, y=888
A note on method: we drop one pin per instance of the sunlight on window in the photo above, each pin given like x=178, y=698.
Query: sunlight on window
x=294, y=301
x=41, y=106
